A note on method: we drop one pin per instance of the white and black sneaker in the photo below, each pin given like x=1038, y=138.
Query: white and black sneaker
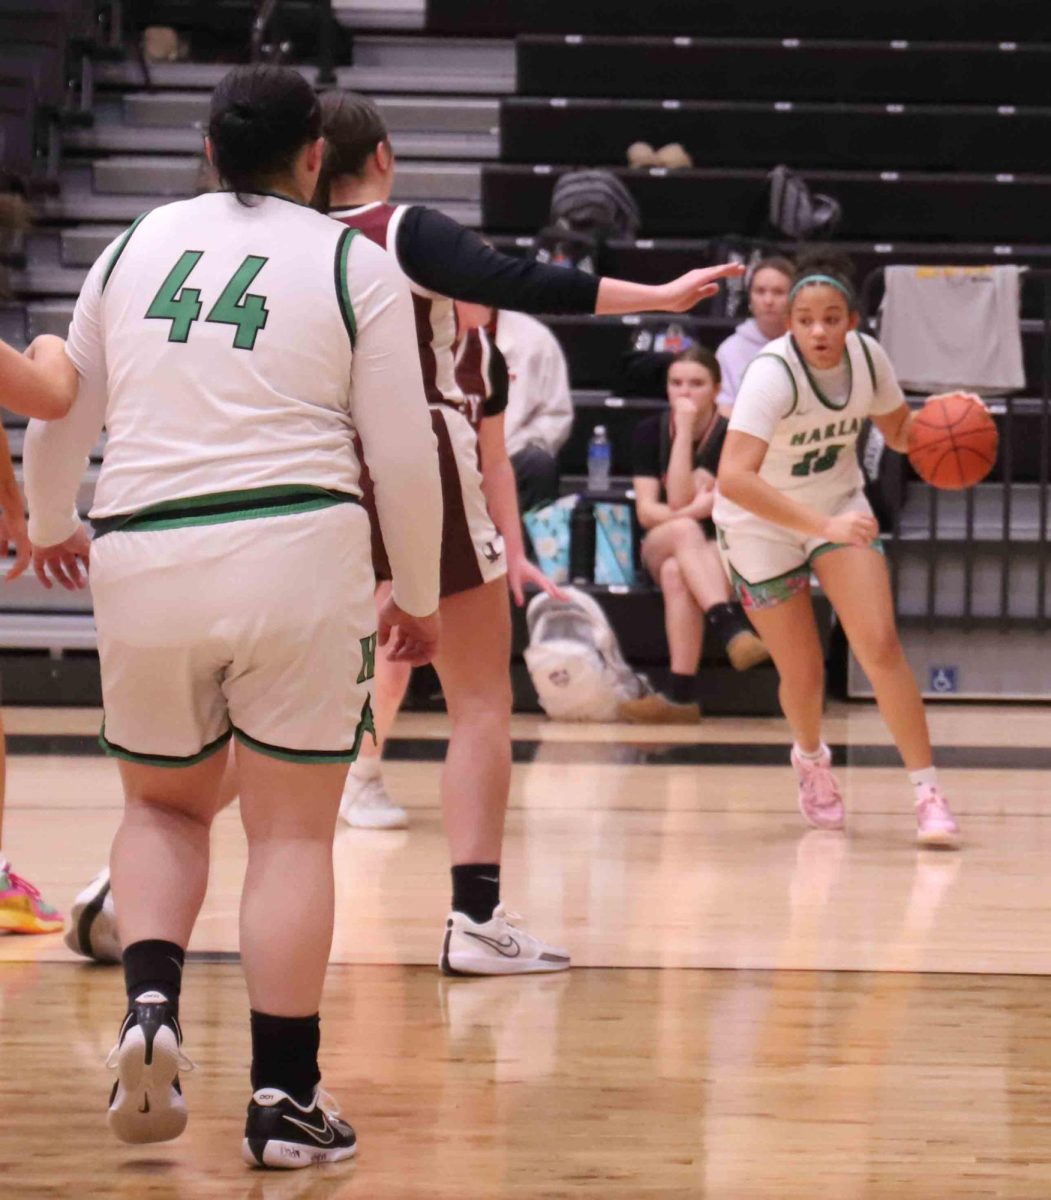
x=92, y=927
x=146, y=1104
x=496, y=947
x=281, y=1133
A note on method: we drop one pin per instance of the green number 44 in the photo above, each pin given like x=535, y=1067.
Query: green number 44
x=182, y=305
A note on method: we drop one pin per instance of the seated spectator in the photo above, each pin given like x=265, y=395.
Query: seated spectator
x=676, y=456
x=768, y=303
x=539, y=404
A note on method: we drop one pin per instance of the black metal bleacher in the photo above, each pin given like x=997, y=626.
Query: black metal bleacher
x=895, y=136
x=878, y=205
x=766, y=68
x=1015, y=20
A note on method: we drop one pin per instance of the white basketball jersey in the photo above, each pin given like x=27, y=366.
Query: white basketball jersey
x=812, y=453
x=229, y=328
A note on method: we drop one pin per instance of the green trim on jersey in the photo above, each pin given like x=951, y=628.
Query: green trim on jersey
x=162, y=760
x=868, y=359
x=346, y=309
x=120, y=248
x=813, y=382
x=220, y=508
x=365, y=725
x=791, y=376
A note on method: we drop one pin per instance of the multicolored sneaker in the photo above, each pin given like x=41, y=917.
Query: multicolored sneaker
x=22, y=908
x=366, y=805
x=496, y=947
x=281, y=1133
x=935, y=824
x=820, y=800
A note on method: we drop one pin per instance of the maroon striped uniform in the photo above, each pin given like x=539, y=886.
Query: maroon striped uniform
x=463, y=382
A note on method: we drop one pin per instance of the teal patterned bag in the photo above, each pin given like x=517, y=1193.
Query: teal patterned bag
x=614, y=551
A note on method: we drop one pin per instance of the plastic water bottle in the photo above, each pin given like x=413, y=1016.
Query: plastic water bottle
x=599, y=455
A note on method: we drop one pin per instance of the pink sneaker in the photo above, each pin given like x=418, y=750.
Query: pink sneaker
x=935, y=824
x=22, y=908
x=820, y=799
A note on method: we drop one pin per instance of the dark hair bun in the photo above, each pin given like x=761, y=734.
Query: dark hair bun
x=261, y=117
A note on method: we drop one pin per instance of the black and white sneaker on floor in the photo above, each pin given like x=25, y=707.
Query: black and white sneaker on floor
x=498, y=946
x=91, y=930
x=146, y=1104
x=281, y=1133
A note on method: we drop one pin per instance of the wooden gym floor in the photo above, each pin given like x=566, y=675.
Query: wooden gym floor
x=766, y=1012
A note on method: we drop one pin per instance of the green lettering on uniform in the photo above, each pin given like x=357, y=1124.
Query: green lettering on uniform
x=368, y=658
x=248, y=313
x=182, y=305
x=798, y=439
x=816, y=461
x=175, y=303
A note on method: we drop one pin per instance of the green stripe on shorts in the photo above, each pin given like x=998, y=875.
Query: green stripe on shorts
x=286, y=754
x=162, y=760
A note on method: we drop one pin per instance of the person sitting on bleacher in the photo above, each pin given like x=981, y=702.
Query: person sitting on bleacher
x=768, y=303
x=676, y=456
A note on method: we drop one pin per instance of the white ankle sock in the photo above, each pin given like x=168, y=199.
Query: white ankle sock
x=928, y=777
x=811, y=755
x=366, y=768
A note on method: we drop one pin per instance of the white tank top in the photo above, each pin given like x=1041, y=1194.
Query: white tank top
x=227, y=332
x=812, y=452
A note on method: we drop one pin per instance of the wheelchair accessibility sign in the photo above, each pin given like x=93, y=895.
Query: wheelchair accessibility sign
x=944, y=680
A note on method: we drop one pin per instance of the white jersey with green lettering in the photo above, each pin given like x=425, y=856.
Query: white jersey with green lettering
x=232, y=347
x=811, y=421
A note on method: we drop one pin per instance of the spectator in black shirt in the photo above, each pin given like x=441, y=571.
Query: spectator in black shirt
x=676, y=457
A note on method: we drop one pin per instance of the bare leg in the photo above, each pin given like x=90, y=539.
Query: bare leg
x=857, y=583
x=683, y=620
x=698, y=559
x=289, y=816
x=159, y=858
x=473, y=664
x=790, y=633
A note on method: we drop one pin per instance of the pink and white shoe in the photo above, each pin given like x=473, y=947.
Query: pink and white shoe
x=935, y=824
x=820, y=800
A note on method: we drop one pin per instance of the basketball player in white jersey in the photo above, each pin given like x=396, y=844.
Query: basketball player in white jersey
x=790, y=501
x=444, y=261
x=234, y=345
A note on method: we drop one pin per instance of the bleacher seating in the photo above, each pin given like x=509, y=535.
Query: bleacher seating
x=930, y=132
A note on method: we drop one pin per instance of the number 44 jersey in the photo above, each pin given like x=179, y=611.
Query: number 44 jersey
x=233, y=324
x=811, y=421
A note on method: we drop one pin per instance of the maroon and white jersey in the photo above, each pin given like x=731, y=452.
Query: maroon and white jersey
x=435, y=314
x=481, y=375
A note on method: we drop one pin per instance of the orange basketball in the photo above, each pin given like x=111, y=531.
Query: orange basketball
x=953, y=441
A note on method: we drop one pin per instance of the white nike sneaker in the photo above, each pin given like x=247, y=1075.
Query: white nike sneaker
x=92, y=927
x=366, y=805
x=496, y=947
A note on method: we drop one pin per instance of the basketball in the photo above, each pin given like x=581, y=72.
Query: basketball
x=953, y=441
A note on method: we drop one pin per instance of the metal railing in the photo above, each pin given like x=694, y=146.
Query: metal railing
x=1012, y=541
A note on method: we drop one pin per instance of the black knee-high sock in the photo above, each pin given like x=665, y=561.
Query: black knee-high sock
x=726, y=621
x=476, y=889
x=284, y=1054
x=154, y=966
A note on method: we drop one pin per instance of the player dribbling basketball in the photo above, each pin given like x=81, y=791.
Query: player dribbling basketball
x=790, y=501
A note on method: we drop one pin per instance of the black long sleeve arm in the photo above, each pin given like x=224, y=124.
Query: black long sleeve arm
x=439, y=254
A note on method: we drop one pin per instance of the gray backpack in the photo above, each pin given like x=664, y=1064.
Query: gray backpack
x=595, y=203
x=798, y=213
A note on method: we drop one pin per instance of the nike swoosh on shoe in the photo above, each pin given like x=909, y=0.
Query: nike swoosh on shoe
x=317, y=1134
x=509, y=948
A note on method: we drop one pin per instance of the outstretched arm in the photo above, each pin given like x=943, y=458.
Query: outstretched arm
x=41, y=383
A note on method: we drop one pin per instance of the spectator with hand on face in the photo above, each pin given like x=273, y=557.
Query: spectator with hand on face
x=676, y=456
x=768, y=288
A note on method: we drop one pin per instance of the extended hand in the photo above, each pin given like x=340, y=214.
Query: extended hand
x=409, y=639
x=63, y=562
x=521, y=572
x=683, y=293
